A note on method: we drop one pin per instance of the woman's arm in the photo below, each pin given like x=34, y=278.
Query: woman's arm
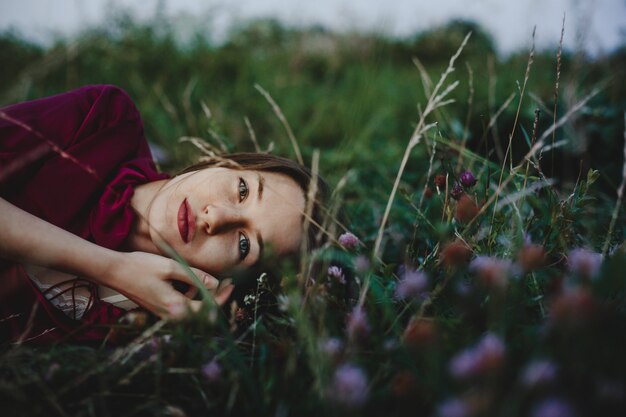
x=140, y=276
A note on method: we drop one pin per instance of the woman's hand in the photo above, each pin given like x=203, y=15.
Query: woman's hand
x=146, y=279
x=142, y=277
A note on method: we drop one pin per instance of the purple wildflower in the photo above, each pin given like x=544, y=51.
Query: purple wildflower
x=358, y=327
x=493, y=272
x=331, y=347
x=412, y=284
x=553, y=407
x=584, y=262
x=457, y=191
x=485, y=357
x=212, y=371
x=361, y=264
x=337, y=273
x=52, y=370
x=453, y=408
x=348, y=240
x=468, y=179
x=349, y=386
x=539, y=372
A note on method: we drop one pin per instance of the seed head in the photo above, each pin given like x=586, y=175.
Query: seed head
x=455, y=254
x=440, y=181
x=466, y=209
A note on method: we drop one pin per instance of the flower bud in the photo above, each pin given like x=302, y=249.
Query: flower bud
x=467, y=179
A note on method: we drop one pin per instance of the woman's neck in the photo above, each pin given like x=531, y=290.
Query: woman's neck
x=139, y=237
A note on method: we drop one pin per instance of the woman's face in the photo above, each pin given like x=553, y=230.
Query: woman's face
x=218, y=219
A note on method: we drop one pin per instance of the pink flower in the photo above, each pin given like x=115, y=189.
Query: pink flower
x=553, y=407
x=212, y=371
x=584, y=262
x=453, y=408
x=361, y=264
x=337, y=273
x=358, y=327
x=348, y=240
x=539, y=372
x=493, y=272
x=483, y=358
x=349, y=387
x=331, y=347
x=412, y=285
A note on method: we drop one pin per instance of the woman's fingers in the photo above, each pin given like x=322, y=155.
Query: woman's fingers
x=181, y=274
x=223, y=293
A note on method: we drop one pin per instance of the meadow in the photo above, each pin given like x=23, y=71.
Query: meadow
x=474, y=262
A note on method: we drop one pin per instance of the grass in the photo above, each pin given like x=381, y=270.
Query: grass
x=476, y=306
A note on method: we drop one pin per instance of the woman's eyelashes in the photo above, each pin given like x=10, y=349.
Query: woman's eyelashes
x=243, y=189
x=244, y=246
x=244, y=242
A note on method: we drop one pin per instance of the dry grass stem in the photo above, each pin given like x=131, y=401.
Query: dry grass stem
x=284, y=122
x=252, y=134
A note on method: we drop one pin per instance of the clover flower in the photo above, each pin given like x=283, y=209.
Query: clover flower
x=485, y=357
x=457, y=191
x=553, y=407
x=412, y=284
x=348, y=240
x=331, y=347
x=584, y=262
x=212, y=371
x=337, y=273
x=467, y=179
x=349, y=387
x=531, y=257
x=493, y=272
x=538, y=372
x=453, y=407
x=361, y=264
x=358, y=326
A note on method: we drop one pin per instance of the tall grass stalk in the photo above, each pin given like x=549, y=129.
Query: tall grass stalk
x=283, y=120
x=509, y=148
x=618, y=203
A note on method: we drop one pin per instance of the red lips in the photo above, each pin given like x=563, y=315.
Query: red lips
x=186, y=221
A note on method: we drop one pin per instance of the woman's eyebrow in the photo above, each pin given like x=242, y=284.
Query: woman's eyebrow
x=261, y=183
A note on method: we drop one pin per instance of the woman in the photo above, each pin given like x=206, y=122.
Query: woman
x=86, y=220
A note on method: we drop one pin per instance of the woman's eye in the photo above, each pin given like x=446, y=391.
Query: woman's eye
x=244, y=245
x=243, y=189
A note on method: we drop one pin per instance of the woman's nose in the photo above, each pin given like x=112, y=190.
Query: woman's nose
x=218, y=219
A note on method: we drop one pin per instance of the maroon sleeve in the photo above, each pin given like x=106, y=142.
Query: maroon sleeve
x=58, y=154
x=72, y=160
